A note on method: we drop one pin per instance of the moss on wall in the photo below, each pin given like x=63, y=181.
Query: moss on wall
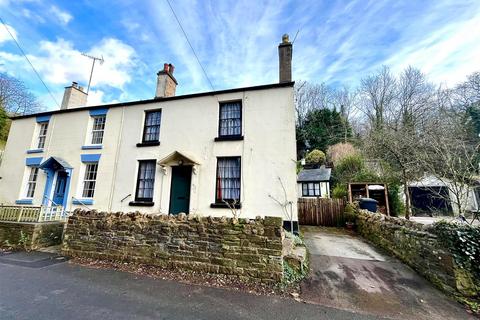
x=30, y=236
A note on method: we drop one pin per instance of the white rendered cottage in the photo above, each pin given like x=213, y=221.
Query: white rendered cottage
x=191, y=153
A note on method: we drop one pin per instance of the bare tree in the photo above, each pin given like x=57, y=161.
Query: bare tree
x=377, y=95
x=309, y=97
x=400, y=149
x=398, y=111
x=452, y=152
x=15, y=98
x=345, y=100
x=468, y=92
x=414, y=98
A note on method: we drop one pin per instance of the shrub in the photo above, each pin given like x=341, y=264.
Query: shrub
x=352, y=169
x=350, y=213
x=397, y=207
x=315, y=157
x=340, y=151
x=340, y=191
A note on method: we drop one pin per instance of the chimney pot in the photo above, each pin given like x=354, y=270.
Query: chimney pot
x=166, y=82
x=74, y=97
x=285, y=59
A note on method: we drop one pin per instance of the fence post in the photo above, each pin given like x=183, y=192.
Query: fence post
x=20, y=214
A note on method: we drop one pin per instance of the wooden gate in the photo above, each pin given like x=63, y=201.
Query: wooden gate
x=321, y=212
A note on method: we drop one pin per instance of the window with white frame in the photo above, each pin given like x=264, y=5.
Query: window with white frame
x=32, y=182
x=98, y=127
x=311, y=189
x=42, y=135
x=89, y=180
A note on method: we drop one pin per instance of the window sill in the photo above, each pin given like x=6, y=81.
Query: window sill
x=141, y=203
x=93, y=146
x=148, y=144
x=85, y=202
x=224, y=205
x=35, y=151
x=24, y=201
x=229, y=138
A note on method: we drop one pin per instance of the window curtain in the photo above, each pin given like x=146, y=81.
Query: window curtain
x=228, y=179
x=230, y=119
x=146, y=180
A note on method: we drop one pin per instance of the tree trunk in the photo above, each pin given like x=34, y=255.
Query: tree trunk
x=408, y=207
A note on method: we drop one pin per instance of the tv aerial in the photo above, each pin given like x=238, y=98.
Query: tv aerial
x=94, y=59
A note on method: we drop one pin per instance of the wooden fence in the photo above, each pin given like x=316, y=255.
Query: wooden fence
x=321, y=212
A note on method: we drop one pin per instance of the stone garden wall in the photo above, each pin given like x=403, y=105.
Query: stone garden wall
x=420, y=247
x=30, y=235
x=249, y=248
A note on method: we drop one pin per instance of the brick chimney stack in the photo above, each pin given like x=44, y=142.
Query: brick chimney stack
x=166, y=82
x=74, y=97
x=285, y=59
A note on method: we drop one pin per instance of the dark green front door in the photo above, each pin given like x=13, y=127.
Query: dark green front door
x=180, y=189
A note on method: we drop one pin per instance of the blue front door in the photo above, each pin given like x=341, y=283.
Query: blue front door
x=60, y=186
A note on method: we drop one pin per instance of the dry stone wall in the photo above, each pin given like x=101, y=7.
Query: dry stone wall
x=418, y=246
x=30, y=235
x=247, y=248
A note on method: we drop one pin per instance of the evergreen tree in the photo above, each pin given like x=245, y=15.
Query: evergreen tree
x=323, y=128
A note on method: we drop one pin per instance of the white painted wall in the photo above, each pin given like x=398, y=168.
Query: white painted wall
x=188, y=125
x=324, y=190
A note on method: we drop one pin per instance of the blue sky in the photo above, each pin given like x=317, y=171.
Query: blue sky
x=339, y=42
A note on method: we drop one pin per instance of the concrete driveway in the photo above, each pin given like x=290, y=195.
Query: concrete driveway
x=349, y=274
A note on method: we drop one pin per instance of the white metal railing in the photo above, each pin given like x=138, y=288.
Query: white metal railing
x=52, y=213
x=17, y=213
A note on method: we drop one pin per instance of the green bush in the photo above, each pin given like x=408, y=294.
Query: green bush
x=315, y=157
x=397, y=207
x=339, y=191
x=350, y=213
x=352, y=169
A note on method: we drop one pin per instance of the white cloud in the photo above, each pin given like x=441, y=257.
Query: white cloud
x=447, y=55
x=62, y=16
x=60, y=63
x=4, y=35
x=31, y=15
x=95, y=97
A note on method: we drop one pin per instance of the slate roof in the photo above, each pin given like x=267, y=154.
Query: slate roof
x=318, y=174
x=50, y=161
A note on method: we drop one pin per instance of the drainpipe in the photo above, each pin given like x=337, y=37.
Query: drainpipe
x=115, y=165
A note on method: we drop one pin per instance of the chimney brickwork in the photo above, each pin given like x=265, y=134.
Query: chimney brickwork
x=74, y=97
x=166, y=82
x=285, y=59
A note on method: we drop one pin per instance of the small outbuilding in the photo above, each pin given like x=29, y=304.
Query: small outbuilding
x=314, y=182
x=370, y=190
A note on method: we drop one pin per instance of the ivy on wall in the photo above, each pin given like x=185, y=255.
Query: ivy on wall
x=464, y=243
